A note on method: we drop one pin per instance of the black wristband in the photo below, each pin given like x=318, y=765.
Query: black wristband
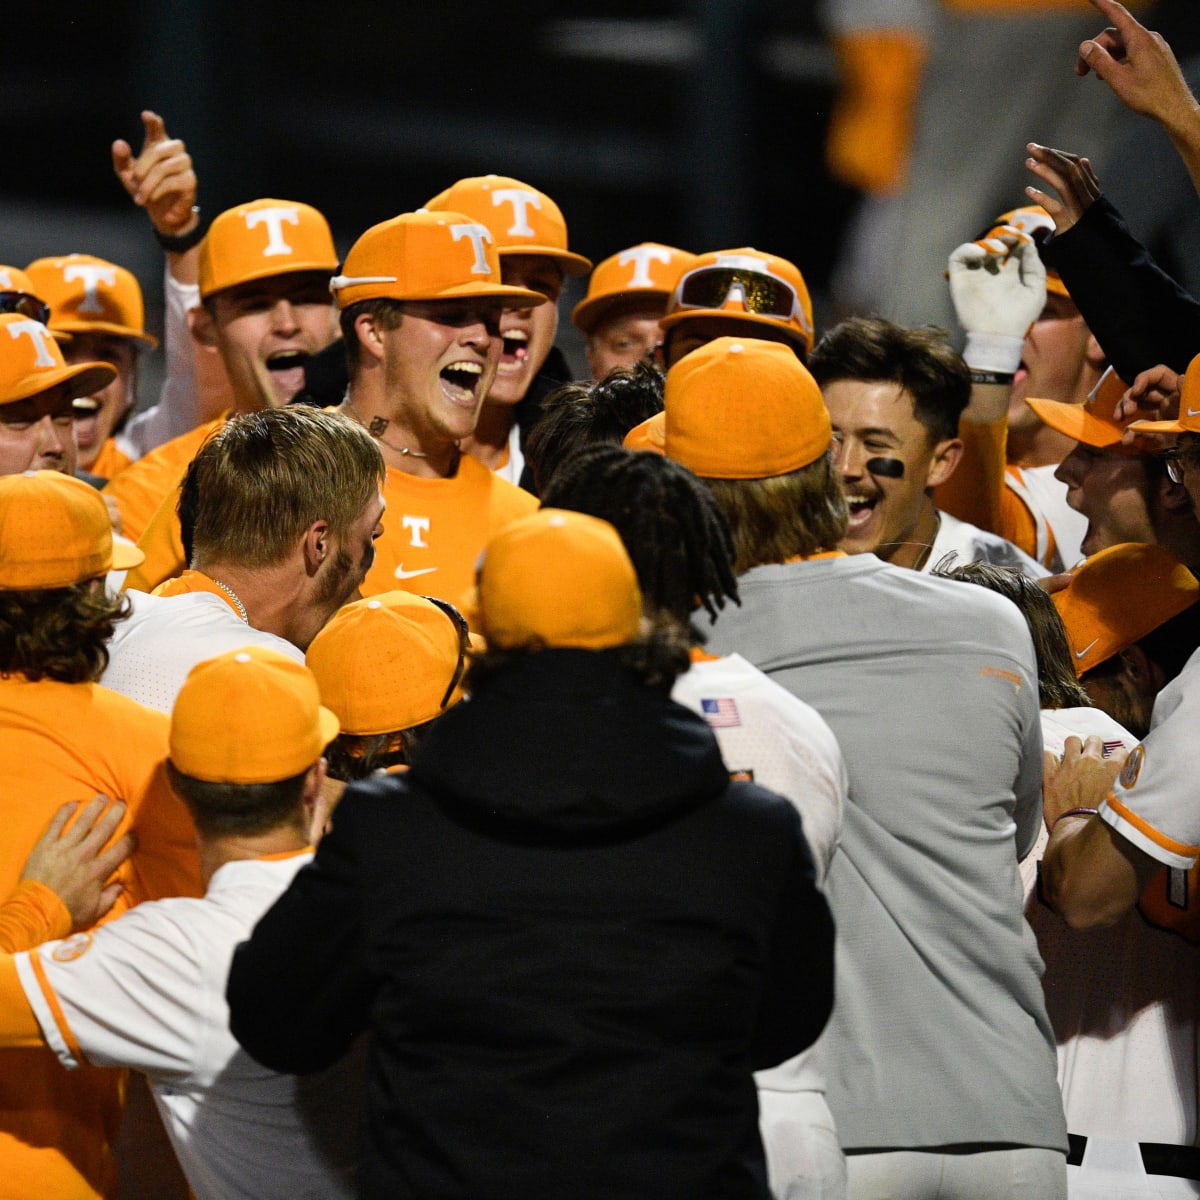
x=998, y=378
x=183, y=242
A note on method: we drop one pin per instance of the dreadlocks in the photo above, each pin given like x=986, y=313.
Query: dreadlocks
x=671, y=526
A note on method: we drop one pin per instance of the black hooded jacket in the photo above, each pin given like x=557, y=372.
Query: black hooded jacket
x=572, y=939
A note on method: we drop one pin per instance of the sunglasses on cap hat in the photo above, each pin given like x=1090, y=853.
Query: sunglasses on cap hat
x=25, y=305
x=464, y=643
x=760, y=293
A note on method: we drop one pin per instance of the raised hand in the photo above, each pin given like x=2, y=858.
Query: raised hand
x=160, y=178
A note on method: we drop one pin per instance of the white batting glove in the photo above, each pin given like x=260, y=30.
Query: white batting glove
x=998, y=286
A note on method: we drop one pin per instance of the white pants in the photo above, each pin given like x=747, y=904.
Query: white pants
x=1113, y=1170
x=804, y=1160
x=1027, y=1173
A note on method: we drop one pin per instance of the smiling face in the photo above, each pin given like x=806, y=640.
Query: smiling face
x=873, y=419
x=528, y=333
x=265, y=331
x=102, y=411
x=1113, y=489
x=36, y=433
x=439, y=363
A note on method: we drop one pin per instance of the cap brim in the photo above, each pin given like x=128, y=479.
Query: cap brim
x=1076, y=422
x=650, y=435
x=572, y=264
x=324, y=267
x=701, y=315
x=1160, y=428
x=588, y=313
x=125, y=555
x=329, y=724
x=87, y=377
x=126, y=331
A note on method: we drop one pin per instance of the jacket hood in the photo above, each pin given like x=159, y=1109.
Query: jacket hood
x=569, y=743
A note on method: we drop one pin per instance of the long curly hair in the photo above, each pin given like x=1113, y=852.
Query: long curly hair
x=58, y=633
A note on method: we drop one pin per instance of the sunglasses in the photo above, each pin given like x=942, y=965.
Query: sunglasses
x=464, y=643
x=760, y=293
x=25, y=305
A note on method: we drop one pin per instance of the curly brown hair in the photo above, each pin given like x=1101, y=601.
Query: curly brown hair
x=58, y=633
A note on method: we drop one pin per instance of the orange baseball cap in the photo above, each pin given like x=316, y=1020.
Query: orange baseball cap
x=556, y=579
x=745, y=284
x=90, y=295
x=1092, y=422
x=742, y=408
x=426, y=256
x=650, y=435
x=1188, y=420
x=389, y=663
x=522, y=220
x=262, y=239
x=31, y=362
x=647, y=272
x=55, y=532
x=1036, y=222
x=249, y=716
x=1118, y=596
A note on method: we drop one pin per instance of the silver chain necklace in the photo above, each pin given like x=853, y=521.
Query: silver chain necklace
x=233, y=597
x=376, y=428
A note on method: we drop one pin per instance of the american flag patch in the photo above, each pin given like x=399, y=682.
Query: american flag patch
x=720, y=714
x=1113, y=747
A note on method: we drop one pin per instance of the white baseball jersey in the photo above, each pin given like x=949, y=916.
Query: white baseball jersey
x=1155, y=803
x=152, y=652
x=147, y=991
x=773, y=738
x=1122, y=1000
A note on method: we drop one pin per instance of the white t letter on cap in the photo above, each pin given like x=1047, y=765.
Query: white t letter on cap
x=273, y=219
x=6, y=281
x=642, y=257
x=520, y=199
x=91, y=276
x=479, y=235
x=41, y=337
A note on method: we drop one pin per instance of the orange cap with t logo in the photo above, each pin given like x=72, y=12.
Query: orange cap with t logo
x=88, y=294
x=31, y=362
x=262, y=239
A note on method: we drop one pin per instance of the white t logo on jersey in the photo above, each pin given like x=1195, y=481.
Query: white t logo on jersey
x=416, y=526
x=520, y=199
x=273, y=219
x=92, y=277
x=479, y=236
x=41, y=337
x=642, y=257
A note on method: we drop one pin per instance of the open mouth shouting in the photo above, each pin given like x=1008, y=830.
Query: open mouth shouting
x=862, y=510
x=461, y=381
x=514, y=351
x=287, y=371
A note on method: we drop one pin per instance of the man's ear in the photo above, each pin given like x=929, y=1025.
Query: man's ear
x=203, y=328
x=1094, y=355
x=946, y=455
x=370, y=334
x=317, y=546
x=1137, y=668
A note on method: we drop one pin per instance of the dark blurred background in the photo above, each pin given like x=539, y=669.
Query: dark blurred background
x=695, y=122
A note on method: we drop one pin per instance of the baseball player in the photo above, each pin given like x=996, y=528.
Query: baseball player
x=147, y=991
x=626, y=299
x=421, y=303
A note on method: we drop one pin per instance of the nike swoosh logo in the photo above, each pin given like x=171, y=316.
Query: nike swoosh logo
x=1193, y=412
x=401, y=573
x=1078, y=653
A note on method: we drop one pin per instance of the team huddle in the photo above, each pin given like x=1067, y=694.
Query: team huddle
x=757, y=770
